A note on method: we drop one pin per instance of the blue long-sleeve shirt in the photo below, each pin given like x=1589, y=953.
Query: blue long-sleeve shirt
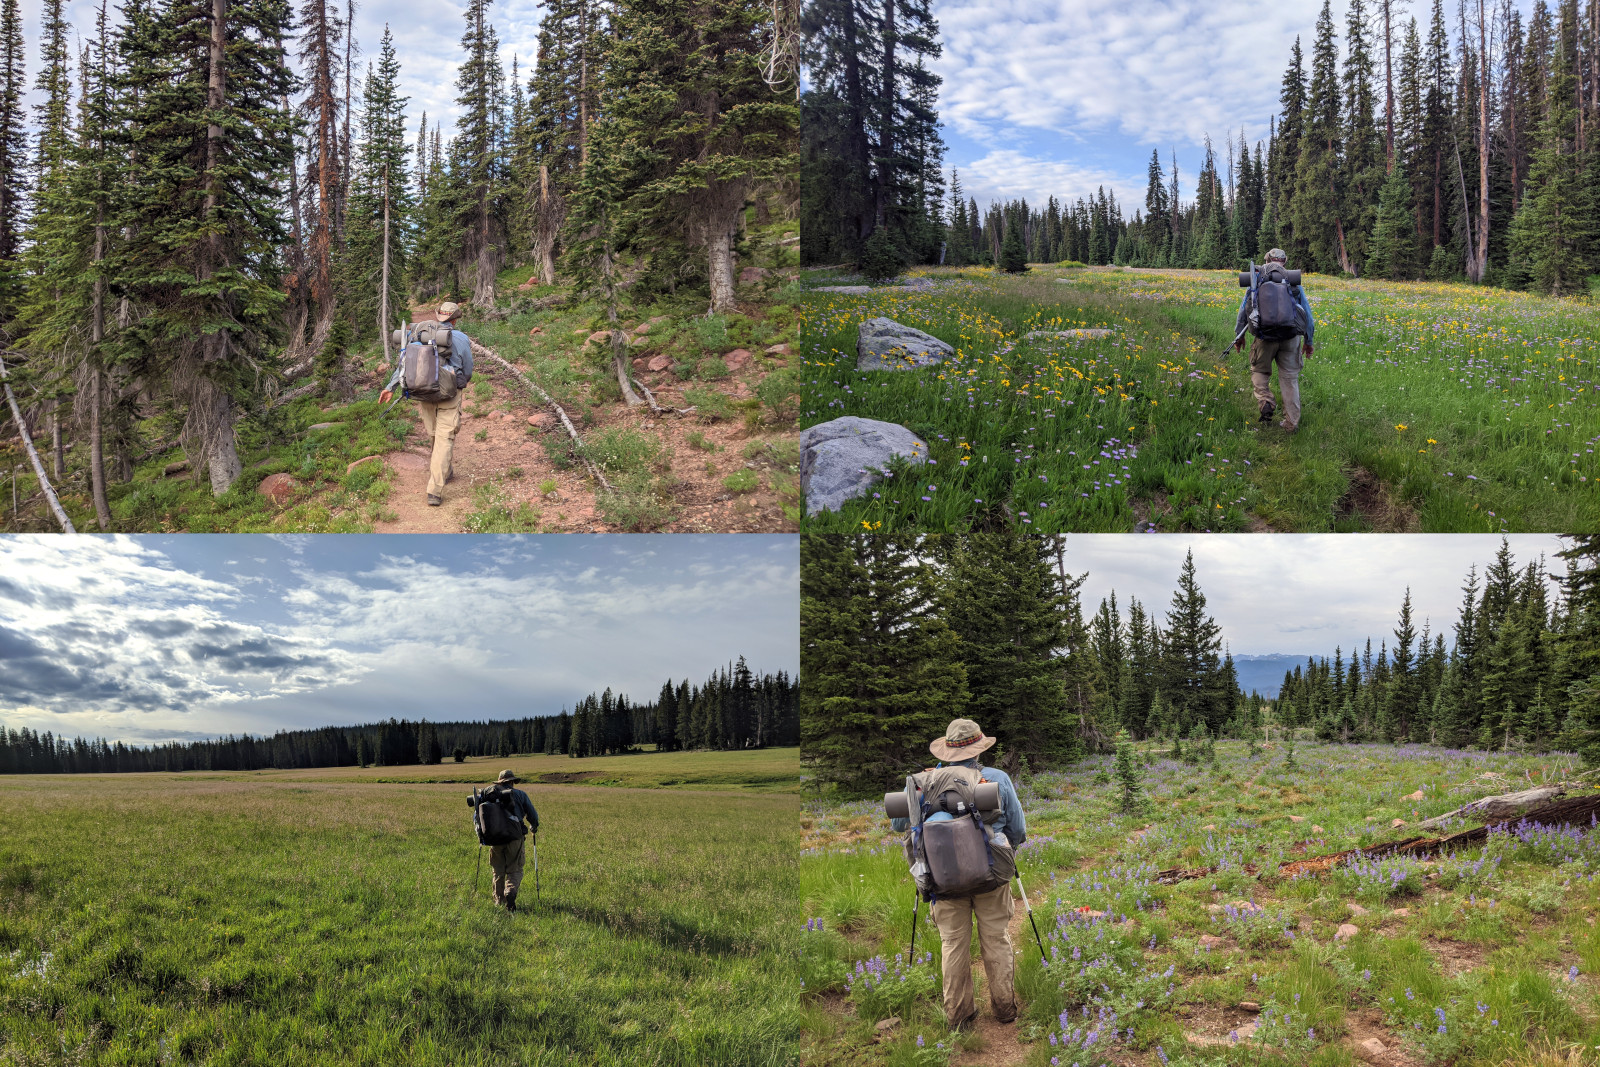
x=1010, y=821
x=521, y=808
x=1299, y=294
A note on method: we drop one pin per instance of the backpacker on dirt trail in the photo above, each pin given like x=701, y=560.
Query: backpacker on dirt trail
x=427, y=366
x=952, y=847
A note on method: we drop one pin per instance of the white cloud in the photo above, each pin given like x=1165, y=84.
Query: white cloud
x=1005, y=174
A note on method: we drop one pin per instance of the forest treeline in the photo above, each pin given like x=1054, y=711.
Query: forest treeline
x=733, y=709
x=900, y=635
x=1426, y=150
x=212, y=204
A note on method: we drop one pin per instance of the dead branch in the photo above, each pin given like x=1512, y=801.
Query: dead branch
x=33, y=455
x=482, y=352
x=292, y=395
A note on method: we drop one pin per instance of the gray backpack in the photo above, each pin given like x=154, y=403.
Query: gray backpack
x=962, y=855
x=426, y=372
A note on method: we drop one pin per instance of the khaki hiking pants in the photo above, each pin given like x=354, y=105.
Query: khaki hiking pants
x=506, y=863
x=441, y=420
x=954, y=919
x=1290, y=360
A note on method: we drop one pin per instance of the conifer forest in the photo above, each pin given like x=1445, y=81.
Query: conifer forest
x=734, y=709
x=1410, y=143
x=216, y=213
x=901, y=634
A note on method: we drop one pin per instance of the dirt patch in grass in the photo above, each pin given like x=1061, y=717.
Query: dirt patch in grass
x=1456, y=957
x=1366, y=1025
x=1371, y=501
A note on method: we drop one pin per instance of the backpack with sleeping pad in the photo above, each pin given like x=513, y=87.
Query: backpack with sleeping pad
x=952, y=847
x=426, y=370
x=494, y=814
x=1275, y=314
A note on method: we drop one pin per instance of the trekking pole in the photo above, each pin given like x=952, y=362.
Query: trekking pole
x=478, y=874
x=916, y=902
x=1024, y=889
x=536, y=897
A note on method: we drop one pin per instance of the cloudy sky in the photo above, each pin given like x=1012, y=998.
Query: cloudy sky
x=427, y=36
x=1046, y=97
x=151, y=638
x=1298, y=593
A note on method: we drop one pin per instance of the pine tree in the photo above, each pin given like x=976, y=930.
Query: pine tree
x=1193, y=640
x=1554, y=231
x=1131, y=798
x=1364, y=155
x=1393, y=250
x=381, y=206
x=1010, y=615
x=1013, y=259
x=958, y=251
x=13, y=155
x=1318, y=193
x=883, y=673
x=216, y=139
x=478, y=221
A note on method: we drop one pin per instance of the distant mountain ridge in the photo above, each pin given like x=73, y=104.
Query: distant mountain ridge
x=1264, y=674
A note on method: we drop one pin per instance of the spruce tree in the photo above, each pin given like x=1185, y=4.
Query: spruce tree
x=381, y=204
x=1393, y=250
x=1131, y=798
x=1318, y=182
x=203, y=271
x=1013, y=258
x=883, y=671
x=1193, y=640
x=13, y=155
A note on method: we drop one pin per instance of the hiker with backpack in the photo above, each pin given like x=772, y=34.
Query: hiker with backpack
x=497, y=816
x=965, y=824
x=435, y=365
x=1276, y=312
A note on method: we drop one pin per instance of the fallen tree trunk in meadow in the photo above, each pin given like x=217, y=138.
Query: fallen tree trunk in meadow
x=533, y=386
x=1567, y=811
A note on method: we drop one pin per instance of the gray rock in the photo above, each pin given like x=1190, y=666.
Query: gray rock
x=884, y=344
x=849, y=290
x=842, y=459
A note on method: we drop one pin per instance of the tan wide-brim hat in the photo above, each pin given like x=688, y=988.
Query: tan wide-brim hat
x=448, y=310
x=962, y=740
x=507, y=776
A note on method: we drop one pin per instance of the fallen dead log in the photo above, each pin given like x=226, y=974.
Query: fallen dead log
x=1500, y=806
x=1565, y=812
x=33, y=455
x=489, y=353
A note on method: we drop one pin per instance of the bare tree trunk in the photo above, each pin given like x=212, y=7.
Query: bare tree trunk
x=58, y=454
x=299, y=309
x=1481, y=259
x=886, y=144
x=719, y=246
x=547, y=223
x=383, y=293
x=1388, y=79
x=619, y=344
x=97, y=333
x=583, y=83
x=327, y=178
x=210, y=405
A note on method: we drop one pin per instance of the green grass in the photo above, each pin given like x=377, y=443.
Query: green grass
x=1426, y=407
x=1500, y=926
x=321, y=919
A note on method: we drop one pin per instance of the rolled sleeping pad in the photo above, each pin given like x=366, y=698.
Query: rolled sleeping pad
x=988, y=796
x=897, y=806
x=1244, y=278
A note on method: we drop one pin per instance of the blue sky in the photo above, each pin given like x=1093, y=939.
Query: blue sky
x=427, y=36
x=150, y=638
x=1299, y=593
x=1058, y=97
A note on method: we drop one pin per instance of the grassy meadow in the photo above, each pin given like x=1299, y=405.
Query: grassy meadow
x=329, y=917
x=1490, y=956
x=1426, y=406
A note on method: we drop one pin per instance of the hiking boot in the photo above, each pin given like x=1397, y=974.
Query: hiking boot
x=511, y=902
x=1267, y=410
x=1287, y=427
x=434, y=501
x=965, y=1024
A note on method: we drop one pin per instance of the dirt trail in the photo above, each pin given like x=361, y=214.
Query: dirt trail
x=999, y=1046
x=511, y=466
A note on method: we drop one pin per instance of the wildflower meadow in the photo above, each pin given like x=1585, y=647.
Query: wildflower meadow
x=1427, y=406
x=1489, y=955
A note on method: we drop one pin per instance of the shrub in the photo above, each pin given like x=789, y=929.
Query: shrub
x=881, y=257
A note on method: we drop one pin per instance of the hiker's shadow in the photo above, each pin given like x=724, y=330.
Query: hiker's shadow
x=663, y=929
